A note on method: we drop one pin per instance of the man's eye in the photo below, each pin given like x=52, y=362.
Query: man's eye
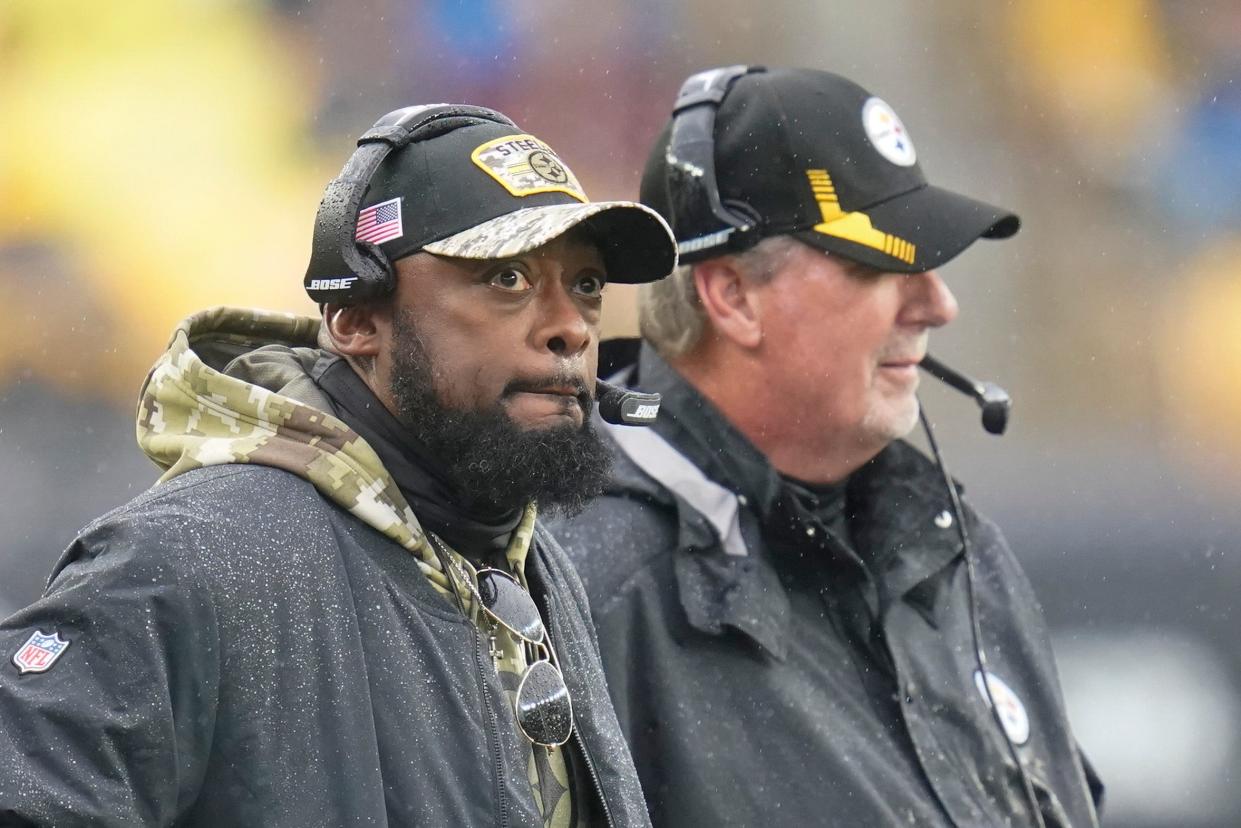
x=510, y=279
x=590, y=286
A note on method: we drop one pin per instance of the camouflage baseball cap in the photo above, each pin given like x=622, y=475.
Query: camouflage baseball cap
x=488, y=191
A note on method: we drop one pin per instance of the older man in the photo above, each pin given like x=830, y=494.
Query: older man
x=336, y=607
x=795, y=628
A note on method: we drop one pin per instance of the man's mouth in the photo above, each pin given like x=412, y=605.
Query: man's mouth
x=904, y=358
x=903, y=370
x=549, y=397
x=561, y=390
x=574, y=388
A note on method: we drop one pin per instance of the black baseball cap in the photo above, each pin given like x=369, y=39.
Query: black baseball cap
x=814, y=155
x=488, y=190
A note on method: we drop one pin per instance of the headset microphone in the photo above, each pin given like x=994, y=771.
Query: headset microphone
x=622, y=406
x=991, y=398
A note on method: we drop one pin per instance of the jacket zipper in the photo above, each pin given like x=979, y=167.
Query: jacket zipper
x=594, y=778
x=577, y=734
x=493, y=732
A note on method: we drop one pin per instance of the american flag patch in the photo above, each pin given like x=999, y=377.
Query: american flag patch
x=380, y=222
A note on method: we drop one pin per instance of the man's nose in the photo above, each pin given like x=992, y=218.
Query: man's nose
x=929, y=302
x=562, y=327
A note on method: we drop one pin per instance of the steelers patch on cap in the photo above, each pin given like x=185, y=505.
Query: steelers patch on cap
x=1012, y=712
x=524, y=165
x=887, y=134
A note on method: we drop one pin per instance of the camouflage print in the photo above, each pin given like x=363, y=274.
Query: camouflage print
x=546, y=769
x=191, y=415
x=515, y=555
x=524, y=165
x=524, y=230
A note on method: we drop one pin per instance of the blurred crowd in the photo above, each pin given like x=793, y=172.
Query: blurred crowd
x=159, y=156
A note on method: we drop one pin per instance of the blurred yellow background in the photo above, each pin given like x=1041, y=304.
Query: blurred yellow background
x=156, y=155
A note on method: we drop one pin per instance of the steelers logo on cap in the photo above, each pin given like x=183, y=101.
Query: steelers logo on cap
x=524, y=165
x=548, y=166
x=887, y=134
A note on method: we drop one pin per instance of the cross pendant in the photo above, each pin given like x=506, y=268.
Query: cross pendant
x=496, y=655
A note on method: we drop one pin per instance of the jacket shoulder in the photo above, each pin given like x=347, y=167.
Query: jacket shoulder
x=617, y=537
x=238, y=519
x=211, y=489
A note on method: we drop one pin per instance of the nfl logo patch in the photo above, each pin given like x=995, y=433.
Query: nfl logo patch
x=39, y=652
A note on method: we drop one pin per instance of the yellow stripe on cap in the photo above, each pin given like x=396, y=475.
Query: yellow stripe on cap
x=853, y=226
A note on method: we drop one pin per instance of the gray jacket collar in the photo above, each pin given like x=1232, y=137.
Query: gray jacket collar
x=720, y=582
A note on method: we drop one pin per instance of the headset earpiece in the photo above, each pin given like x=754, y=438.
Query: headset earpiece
x=707, y=225
x=342, y=270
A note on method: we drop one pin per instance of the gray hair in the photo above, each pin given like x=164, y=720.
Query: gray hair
x=670, y=312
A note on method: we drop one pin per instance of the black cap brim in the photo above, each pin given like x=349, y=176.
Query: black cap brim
x=914, y=232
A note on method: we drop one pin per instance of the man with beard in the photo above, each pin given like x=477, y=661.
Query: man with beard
x=336, y=607
x=795, y=628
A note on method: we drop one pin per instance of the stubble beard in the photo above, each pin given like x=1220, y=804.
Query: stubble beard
x=491, y=461
x=889, y=420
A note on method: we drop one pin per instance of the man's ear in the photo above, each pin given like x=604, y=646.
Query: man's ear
x=353, y=330
x=730, y=301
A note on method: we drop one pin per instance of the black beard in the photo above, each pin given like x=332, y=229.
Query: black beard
x=490, y=460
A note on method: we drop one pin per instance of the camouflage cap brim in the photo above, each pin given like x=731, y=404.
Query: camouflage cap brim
x=636, y=243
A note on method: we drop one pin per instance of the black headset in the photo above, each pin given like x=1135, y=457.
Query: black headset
x=709, y=226
x=344, y=271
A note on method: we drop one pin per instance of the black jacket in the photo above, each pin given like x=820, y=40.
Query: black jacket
x=763, y=675
x=259, y=640
x=243, y=652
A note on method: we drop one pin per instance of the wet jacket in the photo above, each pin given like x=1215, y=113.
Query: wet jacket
x=260, y=639
x=765, y=673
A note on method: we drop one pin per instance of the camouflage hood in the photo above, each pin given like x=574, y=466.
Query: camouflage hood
x=234, y=386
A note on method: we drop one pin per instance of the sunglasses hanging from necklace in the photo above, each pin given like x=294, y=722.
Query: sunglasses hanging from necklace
x=542, y=705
